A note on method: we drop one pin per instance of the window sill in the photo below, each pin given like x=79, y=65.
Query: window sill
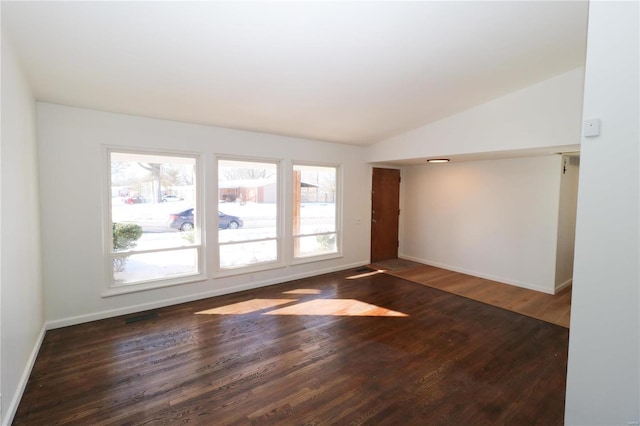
x=221, y=273
x=120, y=289
x=319, y=258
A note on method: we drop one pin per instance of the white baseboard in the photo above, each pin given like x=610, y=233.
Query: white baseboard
x=22, y=384
x=65, y=322
x=481, y=275
x=564, y=285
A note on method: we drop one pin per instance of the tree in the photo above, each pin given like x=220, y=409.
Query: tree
x=248, y=173
x=156, y=172
x=118, y=172
x=177, y=175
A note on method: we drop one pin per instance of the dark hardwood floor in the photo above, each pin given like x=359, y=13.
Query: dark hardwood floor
x=326, y=350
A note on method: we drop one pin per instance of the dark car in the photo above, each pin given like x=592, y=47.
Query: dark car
x=184, y=221
x=226, y=221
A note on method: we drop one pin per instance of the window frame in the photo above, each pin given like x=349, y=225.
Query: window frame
x=113, y=288
x=280, y=262
x=338, y=216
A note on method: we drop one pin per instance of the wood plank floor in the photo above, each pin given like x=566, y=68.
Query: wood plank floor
x=555, y=309
x=376, y=350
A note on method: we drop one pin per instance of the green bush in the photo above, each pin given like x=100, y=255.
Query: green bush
x=327, y=241
x=125, y=236
x=188, y=236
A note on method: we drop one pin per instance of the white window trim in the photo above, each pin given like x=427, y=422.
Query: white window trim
x=280, y=261
x=113, y=288
x=338, y=206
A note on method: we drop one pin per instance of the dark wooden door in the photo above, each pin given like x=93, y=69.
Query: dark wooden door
x=385, y=209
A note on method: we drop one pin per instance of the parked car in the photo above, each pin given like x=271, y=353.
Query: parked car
x=170, y=198
x=134, y=200
x=226, y=221
x=184, y=221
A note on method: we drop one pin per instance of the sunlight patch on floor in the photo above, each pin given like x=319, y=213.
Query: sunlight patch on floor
x=336, y=307
x=304, y=291
x=330, y=307
x=366, y=274
x=247, y=307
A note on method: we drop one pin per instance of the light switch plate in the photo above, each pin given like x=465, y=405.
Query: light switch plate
x=591, y=127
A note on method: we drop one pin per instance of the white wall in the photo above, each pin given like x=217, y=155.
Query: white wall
x=544, y=117
x=22, y=318
x=72, y=179
x=567, y=221
x=495, y=219
x=546, y=114
x=603, y=382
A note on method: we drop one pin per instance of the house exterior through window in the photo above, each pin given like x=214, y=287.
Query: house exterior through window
x=315, y=200
x=153, y=218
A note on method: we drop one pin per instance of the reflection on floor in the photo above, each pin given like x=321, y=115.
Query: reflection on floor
x=323, y=350
x=555, y=309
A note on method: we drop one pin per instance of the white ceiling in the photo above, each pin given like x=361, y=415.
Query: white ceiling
x=348, y=72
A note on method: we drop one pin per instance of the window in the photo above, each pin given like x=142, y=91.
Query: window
x=248, y=225
x=315, y=225
x=153, y=218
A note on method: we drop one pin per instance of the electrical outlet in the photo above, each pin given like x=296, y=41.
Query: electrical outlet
x=591, y=127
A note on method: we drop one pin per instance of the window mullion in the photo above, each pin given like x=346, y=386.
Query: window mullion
x=158, y=250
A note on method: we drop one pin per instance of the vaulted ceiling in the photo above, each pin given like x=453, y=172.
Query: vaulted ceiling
x=348, y=72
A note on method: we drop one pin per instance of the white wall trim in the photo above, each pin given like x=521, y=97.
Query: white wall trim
x=65, y=322
x=478, y=274
x=22, y=384
x=564, y=285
